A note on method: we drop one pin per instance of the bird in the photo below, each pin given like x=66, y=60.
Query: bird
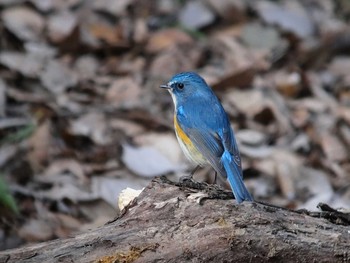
x=204, y=132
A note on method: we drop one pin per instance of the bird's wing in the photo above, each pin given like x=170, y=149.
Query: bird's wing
x=210, y=146
x=210, y=132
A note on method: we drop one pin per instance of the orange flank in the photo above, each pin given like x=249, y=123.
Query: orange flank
x=181, y=135
x=187, y=146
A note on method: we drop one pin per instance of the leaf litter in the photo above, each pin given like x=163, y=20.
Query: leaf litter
x=81, y=117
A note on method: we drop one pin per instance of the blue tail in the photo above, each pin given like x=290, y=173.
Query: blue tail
x=235, y=178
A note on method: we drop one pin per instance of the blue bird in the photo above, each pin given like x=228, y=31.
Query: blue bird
x=204, y=131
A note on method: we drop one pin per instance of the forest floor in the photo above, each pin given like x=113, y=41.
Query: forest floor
x=82, y=117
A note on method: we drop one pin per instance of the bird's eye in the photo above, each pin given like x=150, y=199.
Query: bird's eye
x=180, y=85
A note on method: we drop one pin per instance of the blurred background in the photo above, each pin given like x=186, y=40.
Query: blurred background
x=82, y=118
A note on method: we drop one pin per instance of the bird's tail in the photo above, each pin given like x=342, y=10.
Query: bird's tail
x=235, y=178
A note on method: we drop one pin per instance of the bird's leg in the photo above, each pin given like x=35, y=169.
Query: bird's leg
x=194, y=170
x=190, y=176
x=215, y=177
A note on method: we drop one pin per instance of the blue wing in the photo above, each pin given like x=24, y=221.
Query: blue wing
x=210, y=131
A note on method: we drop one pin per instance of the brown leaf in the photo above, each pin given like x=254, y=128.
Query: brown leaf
x=288, y=84
x=300, y=117
x=344, y=131
x=103, y=212
x=61, y=166
x=230, y=10
x=175, y=59
x=35, y=230
x=108, y=34
x=248, y=102
x=287, y=175
x=285, y=166
x=66, y=225
x=26, y=96
x=242, y=78
x=40, y=144
x=166, y=38
x=129, y=128
x=124, y=93
x=140, y=31
x=333, y=148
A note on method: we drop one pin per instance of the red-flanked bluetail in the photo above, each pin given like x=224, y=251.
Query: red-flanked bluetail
x=203, y=130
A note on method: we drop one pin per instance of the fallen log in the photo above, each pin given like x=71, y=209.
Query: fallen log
x=171, y=222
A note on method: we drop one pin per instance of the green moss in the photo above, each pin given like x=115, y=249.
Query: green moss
x=6, y=199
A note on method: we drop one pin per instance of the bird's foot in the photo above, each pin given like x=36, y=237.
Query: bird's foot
x=189, y=177
x=186, y=178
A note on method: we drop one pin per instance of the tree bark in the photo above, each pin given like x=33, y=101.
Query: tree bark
x=166, y=223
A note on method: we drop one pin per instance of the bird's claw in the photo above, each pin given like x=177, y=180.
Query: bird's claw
x=186, y=178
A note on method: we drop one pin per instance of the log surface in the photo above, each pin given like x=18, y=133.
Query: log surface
x=166, y=223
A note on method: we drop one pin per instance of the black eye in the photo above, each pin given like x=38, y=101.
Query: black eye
x=180, y=85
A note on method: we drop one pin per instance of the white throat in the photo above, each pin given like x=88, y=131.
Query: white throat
x=174, y=98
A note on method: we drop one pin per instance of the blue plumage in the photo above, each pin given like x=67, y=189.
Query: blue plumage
x=200, y=116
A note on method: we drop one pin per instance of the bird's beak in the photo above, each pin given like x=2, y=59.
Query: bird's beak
x=165, y=86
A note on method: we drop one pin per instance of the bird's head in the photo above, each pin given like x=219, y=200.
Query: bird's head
x=186, y=86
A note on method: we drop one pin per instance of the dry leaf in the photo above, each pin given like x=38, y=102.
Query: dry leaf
x=27, y=64
x=166, y=38
x=166, y=143
x=56, y=77
x=61, y=26
x=333, y=148
x=40, y=144
x=36, y=230
x=93, y=125
x=316, y=183
x=147, y=161
x=124, y=93
x=196, y=15
x=291, y=16
x=109, y=189
x=2, y=98
x=230, y=10
x=23, y=22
